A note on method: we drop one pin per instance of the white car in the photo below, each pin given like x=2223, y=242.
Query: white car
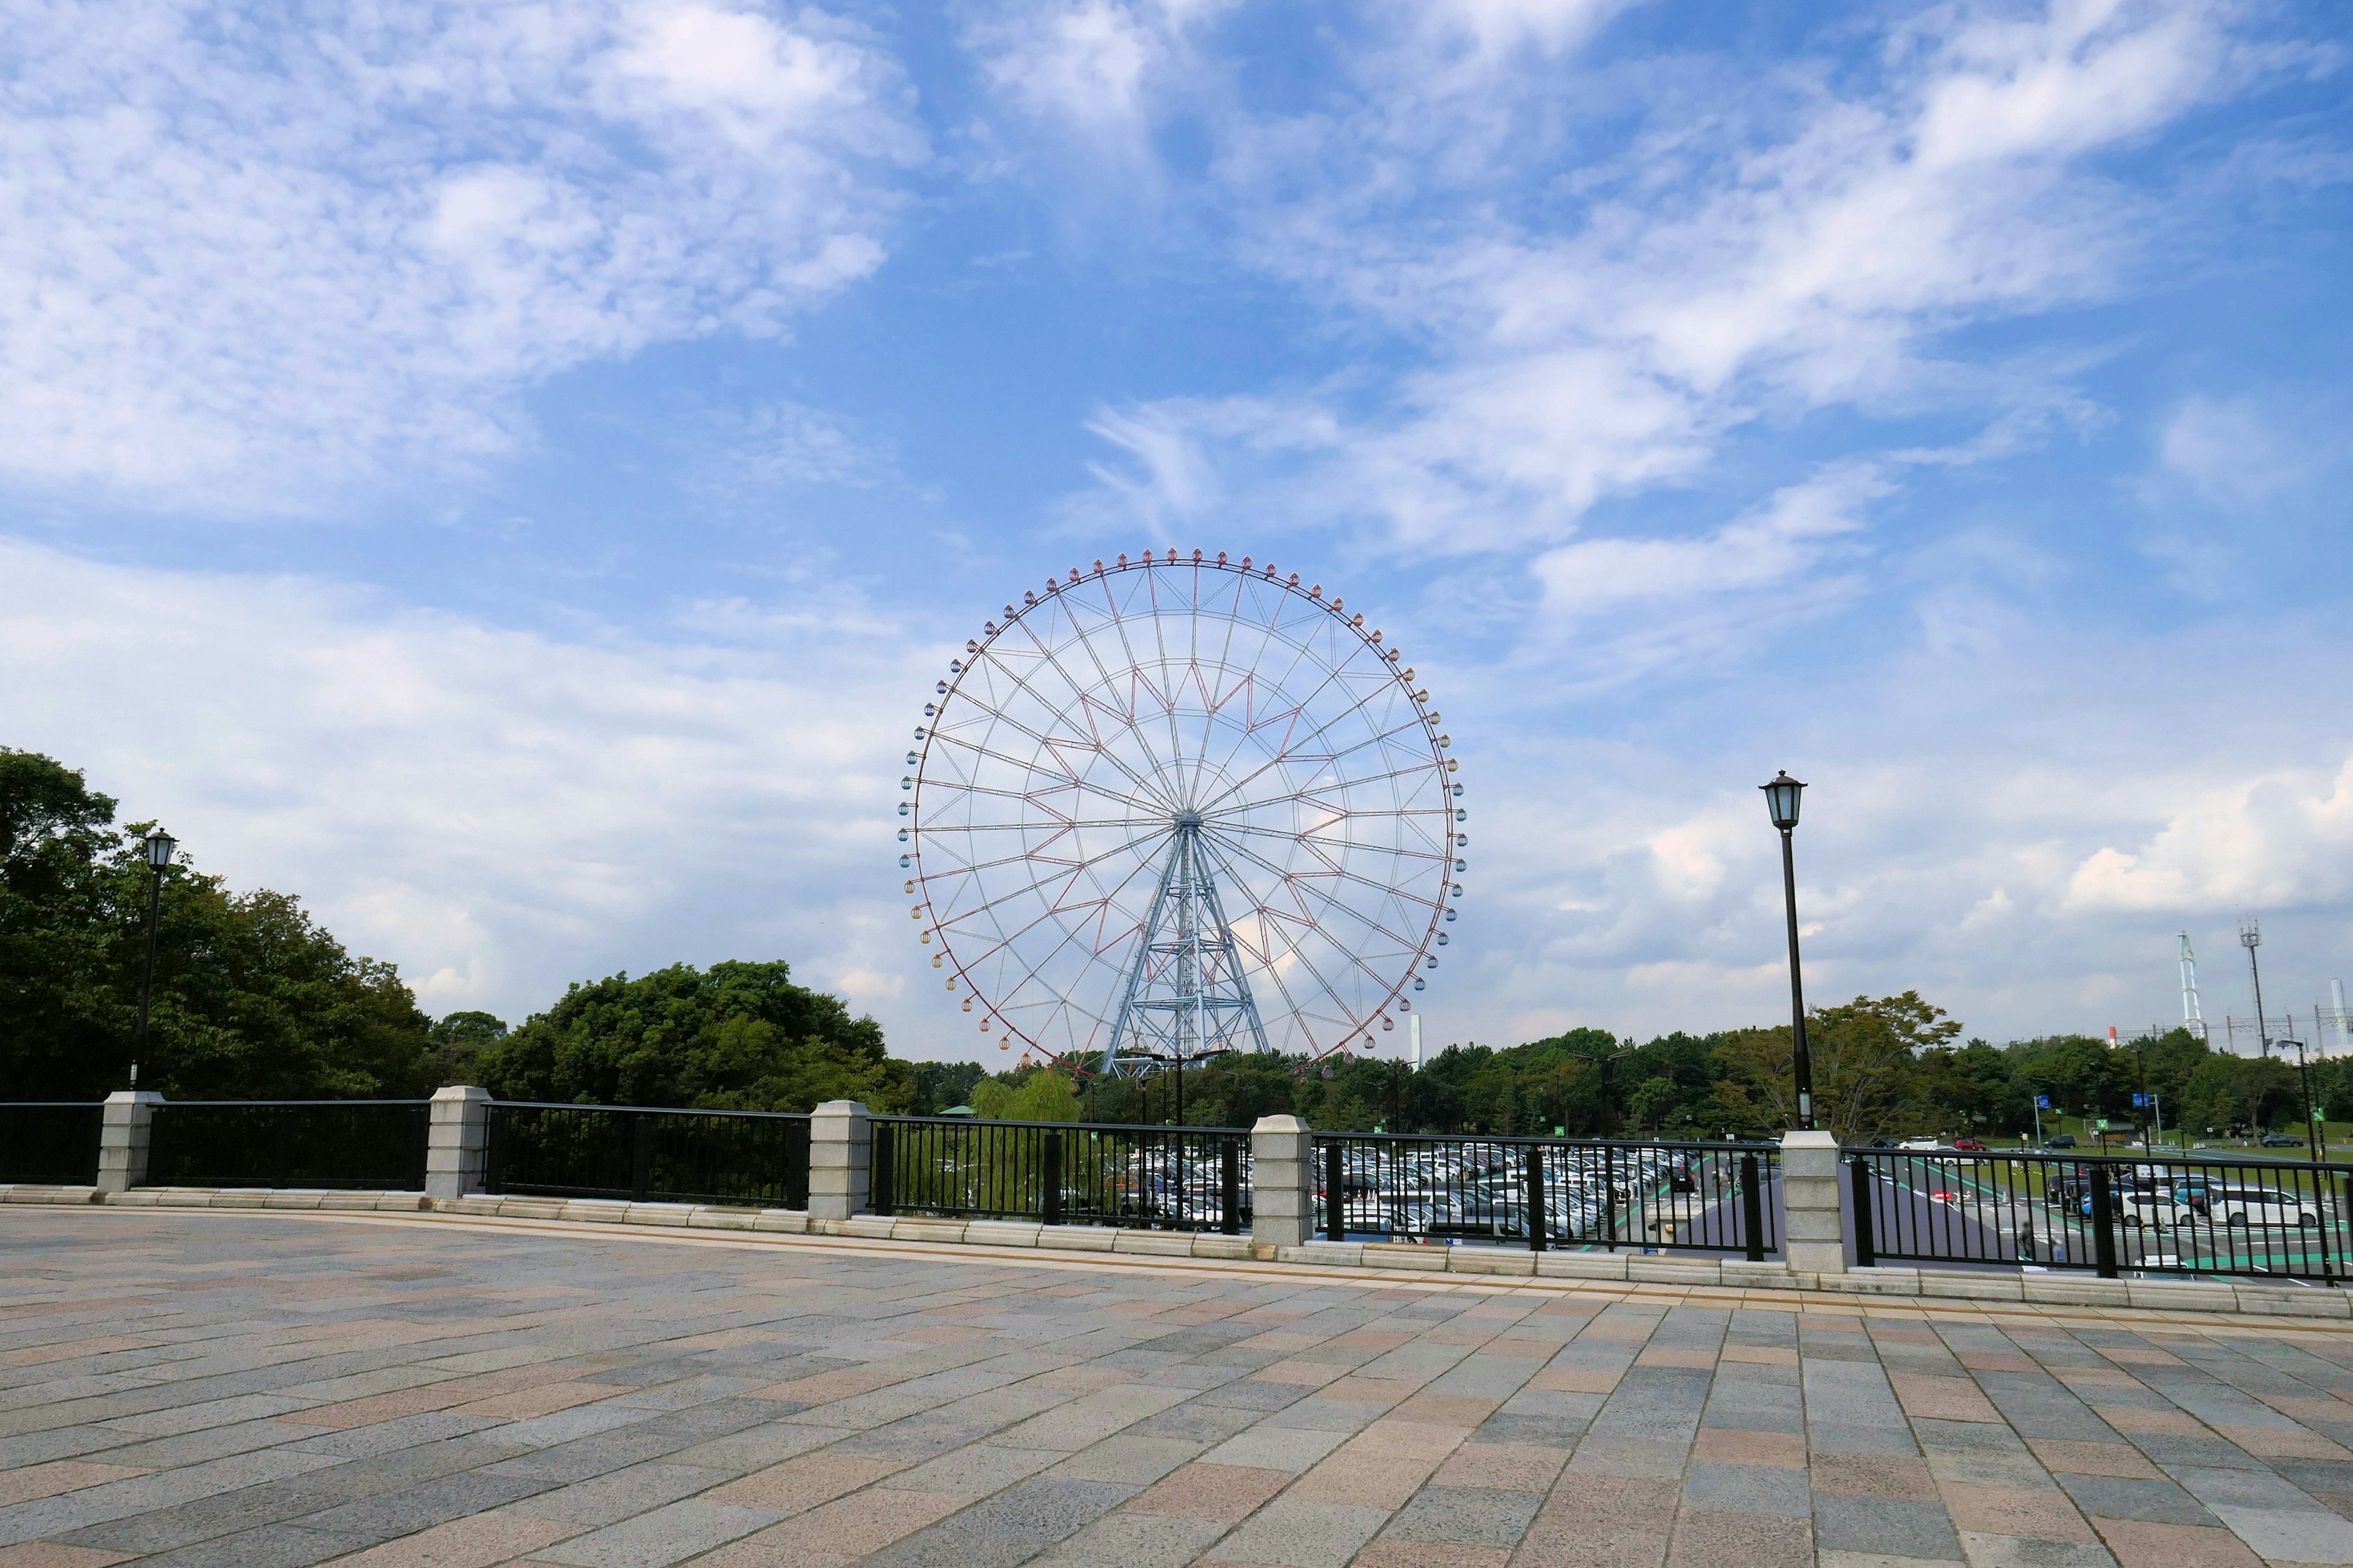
x=1918, y=1145
x=2259, y=1207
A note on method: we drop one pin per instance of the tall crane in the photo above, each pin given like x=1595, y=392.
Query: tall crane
x=2193, y=1016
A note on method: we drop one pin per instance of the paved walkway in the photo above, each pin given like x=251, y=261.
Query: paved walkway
x=272, y=1390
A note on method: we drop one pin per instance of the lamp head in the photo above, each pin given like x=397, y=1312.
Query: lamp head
x=2251, y=932
x=160, y=846
x=1781, y=800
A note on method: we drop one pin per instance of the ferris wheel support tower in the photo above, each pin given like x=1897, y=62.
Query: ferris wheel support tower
x=1187, y=996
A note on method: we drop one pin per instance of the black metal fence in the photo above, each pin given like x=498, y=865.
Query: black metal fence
x=1541, y=1193
x=757, y=1158
x=1167, y=1178
x=289, y=1144
x=2163, y=1213
x=49, y=1142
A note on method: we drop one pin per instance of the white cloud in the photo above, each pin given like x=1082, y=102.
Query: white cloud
x=2234, y=451
x=497, y=811
x=1598, y=334
x=242, y=263
x=2281, y=841
x=1090, y=67
x=1783, y=539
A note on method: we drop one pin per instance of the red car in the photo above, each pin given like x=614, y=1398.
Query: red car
x=1968, y=1145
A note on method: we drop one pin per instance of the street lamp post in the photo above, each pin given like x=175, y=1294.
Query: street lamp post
x=1781, y=805
x=159, y=846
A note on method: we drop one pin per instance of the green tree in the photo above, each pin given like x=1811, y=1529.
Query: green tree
x=1864, y=1062
x=458, y=1041
x=2211, y=1102
x=1038, y=1095
x=1648, y=1106
x=740, y=1036
x=1971, y=1086
x=252, y=999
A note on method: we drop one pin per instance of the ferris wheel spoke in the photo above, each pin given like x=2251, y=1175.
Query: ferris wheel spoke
x=1075, y=782
x=1061, y=872
x=1391, y=737
x=1298, y=950
x=1300, y=652
x=1031, y=969
x=1303, y=837
x=1289, y=751
x=1091, y=742
x=1034, y=854
x=1305, y=882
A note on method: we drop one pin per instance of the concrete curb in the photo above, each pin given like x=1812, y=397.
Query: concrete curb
x=1403, y=1260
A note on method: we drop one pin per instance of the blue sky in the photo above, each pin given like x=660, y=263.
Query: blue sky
x=508, y=473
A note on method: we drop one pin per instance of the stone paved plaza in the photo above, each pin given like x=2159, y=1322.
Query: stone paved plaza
x=266, y=1391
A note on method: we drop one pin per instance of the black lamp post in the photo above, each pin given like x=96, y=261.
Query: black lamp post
x=1781, y=805
x=159, y=846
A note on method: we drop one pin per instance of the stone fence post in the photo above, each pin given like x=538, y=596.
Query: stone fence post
x=124, y=1126
x=841, y=1159
x=1815, y=1242
x=1282, y=1181
x=456, y=1141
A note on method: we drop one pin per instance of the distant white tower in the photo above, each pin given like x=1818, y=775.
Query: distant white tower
x=1413, y=1024
x=2193, y=1015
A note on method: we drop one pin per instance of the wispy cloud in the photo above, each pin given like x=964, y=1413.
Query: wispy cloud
x=250, y=258
x=1804, y=247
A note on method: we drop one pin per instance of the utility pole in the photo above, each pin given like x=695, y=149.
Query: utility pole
x=2251, y=937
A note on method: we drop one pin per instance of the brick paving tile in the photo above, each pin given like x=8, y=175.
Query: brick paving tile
x=1120, y=1540
x=1873, y=1475
x=1388, y=1552
x=51, y=1555
x=57, y=1476
x=1712, y=1537
x=476, y=1542
x=2038, y=1513
x=1286, y=1534
x=1983, y=1550
x=2138, y=1543
x=1466, y=1516
x=2082, y=1459
x=1224, y=1493
x=1512, y=1467
x=276, y=1390
x=1729, y=1445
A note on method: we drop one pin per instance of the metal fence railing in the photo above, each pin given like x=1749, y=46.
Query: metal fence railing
x=1169, y=1178
x=289, y=1144
x=2162, y=1215
x=757, y=1158
x=1541, y=1193
x=49, y=1142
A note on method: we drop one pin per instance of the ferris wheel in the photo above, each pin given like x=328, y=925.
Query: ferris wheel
x=1169, y=808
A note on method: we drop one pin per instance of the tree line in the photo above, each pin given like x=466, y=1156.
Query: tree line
x=253, y=999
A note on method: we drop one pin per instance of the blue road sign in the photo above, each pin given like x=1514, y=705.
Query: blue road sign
x=2140, y=1101
x=2043, y=1102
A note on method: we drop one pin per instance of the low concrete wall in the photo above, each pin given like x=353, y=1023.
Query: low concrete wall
x=1405, y=1262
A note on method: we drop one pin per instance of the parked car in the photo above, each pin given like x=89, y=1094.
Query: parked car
x=1918, y=1145
x=1968, y=1145
x=2281, y=1141
x=2059, y=1140
x=2239, y=1205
